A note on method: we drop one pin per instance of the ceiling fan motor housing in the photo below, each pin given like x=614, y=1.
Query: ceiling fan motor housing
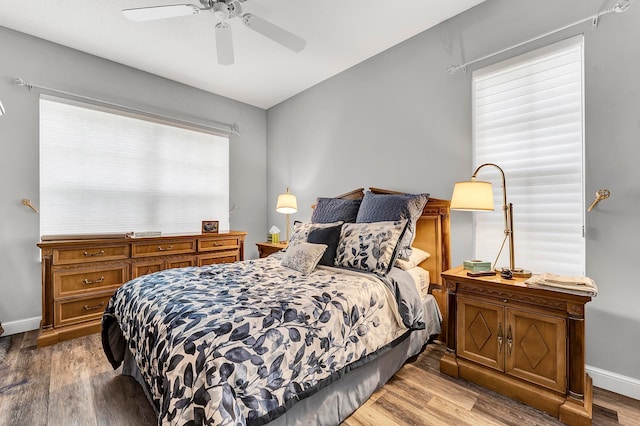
x=223, y=9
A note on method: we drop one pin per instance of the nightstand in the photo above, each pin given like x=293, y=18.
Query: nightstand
x=525, y=343
x=265, y=249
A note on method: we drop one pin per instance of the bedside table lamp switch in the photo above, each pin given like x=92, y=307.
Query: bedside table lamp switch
x=475, y=195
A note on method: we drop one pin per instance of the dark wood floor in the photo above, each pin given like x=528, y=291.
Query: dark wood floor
x=72, y=383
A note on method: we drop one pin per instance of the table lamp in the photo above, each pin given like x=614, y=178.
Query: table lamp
x=287, y=204
x=476, y=195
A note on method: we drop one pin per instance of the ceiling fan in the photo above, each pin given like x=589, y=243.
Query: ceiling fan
x=223, y=10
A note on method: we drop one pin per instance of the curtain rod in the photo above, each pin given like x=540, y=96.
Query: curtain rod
x=232, y=128
x=619, y=7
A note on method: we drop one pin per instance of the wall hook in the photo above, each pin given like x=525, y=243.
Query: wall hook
x=27, y=203
x=601, y=194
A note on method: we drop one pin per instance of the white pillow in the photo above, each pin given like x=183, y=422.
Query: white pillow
x=417, y=257
x=420, y=279
x=303, y=256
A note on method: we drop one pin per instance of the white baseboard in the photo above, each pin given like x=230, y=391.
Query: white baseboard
x=20, y=326
x=614, y=382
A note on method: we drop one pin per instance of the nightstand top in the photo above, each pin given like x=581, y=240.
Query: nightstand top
x=514, y=285
x=268, y=244
x=460, y=272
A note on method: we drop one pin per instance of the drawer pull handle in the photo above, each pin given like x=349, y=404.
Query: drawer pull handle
x=98, y=281
x=93, y=308
x=169, y=247
x=218, y=244
x=509, y=341
x=500, y=338
x=99, y=253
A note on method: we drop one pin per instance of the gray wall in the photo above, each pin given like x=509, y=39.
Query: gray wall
x=58, y=67
x=399, y=121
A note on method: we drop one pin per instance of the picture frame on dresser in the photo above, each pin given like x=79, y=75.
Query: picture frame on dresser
x=210, y=226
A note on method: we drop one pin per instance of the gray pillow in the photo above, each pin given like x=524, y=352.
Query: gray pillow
x=335, y=209
x=386, y=207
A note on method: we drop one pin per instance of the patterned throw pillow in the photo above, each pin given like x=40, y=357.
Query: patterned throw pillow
x=301, y=230
x=370, y=246
x=385, y=207
x=303, y=257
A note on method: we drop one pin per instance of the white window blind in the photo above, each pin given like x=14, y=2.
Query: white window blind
x=528, y=119
x=103, y=172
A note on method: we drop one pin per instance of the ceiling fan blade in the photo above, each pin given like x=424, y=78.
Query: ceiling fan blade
x=224, y=43
x=142, y=14
x=274, y=32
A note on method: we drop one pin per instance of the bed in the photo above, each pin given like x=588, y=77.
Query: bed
x=277, y=341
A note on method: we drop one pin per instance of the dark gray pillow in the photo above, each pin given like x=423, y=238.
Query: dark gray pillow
x=386, y=207
x=330, y=237
x=335, y=209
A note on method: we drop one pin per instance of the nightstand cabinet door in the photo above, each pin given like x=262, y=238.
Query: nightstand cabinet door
x=481, y=332
x=537, y=352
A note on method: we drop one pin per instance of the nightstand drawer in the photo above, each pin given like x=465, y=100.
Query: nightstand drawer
x=218, y=244
x=162, y=248
x=75, y=282
x=73, y=311
x=65, y=256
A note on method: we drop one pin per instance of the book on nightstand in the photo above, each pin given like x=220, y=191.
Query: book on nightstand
x=476, y=265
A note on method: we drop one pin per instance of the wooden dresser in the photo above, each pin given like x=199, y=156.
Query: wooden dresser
x=80, y=275
x=527, y=344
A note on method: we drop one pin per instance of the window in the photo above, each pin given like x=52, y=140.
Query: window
x=528, y=119
x=102, y=171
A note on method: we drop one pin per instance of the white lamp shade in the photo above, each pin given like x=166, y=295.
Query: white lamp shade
x=472, y=195
x=287, y=204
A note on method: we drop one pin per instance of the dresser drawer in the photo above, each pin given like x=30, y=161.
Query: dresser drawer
x=222, y=257
x=146, y=267
x=181, y=262
x=71, y=311
x=66, y=256
x=77, y=282
x=218, y=244
x=163, y=248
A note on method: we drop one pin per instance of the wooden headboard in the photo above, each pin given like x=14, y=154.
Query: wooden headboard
x=432, y=236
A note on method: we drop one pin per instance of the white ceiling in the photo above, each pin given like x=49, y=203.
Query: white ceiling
x=339, y=34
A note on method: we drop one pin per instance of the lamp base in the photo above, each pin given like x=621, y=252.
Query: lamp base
x=521, y=273
x=516, y=272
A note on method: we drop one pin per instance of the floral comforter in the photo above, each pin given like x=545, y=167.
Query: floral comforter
x=239, y=343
